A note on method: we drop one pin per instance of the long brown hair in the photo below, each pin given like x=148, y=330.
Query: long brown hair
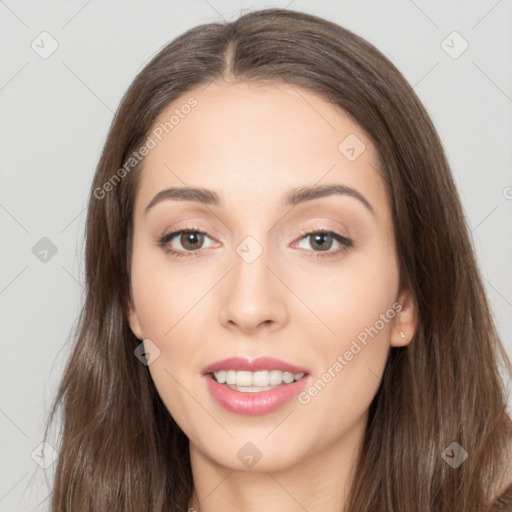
x=121, y=450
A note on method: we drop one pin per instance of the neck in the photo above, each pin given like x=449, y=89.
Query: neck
x=320, y=481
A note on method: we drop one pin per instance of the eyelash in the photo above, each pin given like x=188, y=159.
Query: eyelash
x=345, y=242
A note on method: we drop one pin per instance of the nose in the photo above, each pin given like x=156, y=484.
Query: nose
x=253, y=297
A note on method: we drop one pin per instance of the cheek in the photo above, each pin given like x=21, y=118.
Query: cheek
x=163, y=292
x=349, y=297
x=359, y=307
x=169, y=304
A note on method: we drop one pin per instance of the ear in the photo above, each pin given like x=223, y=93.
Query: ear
x=133, y=319
x=405, y=322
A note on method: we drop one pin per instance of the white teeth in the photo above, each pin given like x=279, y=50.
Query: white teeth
x=221, y=377
x=260, y=379
x=276, y=377
x=243, y=378
x=288, y=377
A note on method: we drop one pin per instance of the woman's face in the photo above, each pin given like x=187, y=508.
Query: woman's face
x=256, y=278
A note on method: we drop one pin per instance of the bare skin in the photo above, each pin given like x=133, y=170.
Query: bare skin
x=252, y=144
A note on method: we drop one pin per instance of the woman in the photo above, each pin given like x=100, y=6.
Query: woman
x=283, y=308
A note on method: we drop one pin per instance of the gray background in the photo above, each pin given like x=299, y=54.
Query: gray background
x=55, y=114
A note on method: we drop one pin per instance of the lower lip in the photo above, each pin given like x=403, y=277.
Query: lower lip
x=256, y=403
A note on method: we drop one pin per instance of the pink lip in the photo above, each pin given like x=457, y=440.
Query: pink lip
x=253, y=365
x=257, y=403
x=254, y=404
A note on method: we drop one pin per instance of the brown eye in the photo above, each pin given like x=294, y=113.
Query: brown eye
x=322, y=241
x=185, y=242
x=191, y=240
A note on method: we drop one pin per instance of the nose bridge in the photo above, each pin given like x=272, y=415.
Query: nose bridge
x=251, y=272
x=253, y=296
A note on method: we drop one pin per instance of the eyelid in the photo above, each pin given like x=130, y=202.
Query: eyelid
x=319, y=227
x=191, y=229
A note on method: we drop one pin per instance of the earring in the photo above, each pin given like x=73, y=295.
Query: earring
x=402, y=334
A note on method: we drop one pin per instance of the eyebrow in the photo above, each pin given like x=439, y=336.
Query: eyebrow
x=291, y=198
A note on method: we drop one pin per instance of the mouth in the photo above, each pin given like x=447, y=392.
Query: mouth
x=254, y=387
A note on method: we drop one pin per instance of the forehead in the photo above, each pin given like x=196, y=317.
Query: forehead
x=256, y=141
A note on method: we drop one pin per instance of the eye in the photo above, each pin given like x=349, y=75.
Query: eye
x=189, y=241
x=322, y=240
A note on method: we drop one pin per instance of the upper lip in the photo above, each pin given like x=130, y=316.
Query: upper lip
x=253, y=365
